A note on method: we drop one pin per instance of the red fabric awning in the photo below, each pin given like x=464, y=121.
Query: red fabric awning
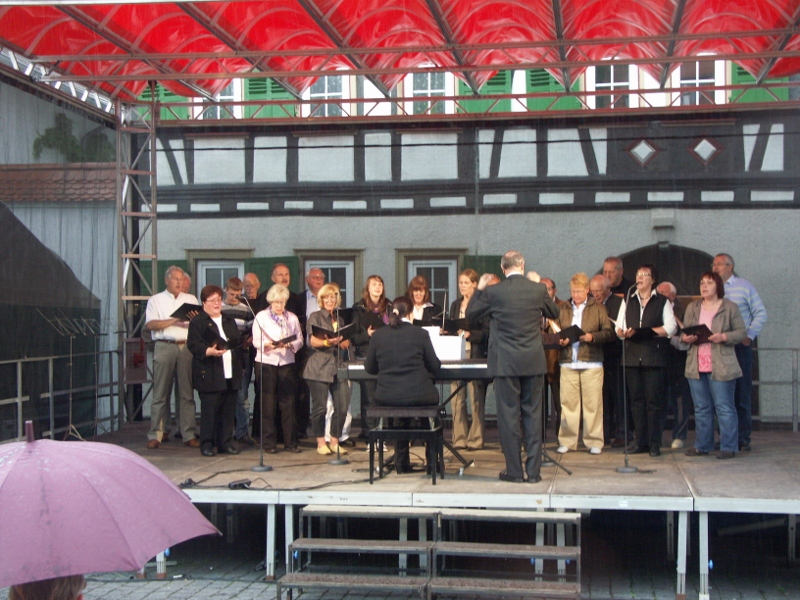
x=120, y=47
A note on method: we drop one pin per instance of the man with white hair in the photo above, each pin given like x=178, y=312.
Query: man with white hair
x=170, y=357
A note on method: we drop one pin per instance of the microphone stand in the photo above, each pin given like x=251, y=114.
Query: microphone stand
x=627, y=468
x=260, y=467
x=338, y=460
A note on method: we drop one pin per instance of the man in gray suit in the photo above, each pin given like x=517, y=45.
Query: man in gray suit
x=516, y=360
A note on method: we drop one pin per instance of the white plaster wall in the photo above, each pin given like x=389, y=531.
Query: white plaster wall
x=764, y=244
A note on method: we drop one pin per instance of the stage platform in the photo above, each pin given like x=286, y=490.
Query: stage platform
x=763, y=481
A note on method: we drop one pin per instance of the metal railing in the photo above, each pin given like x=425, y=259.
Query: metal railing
x=105, y=390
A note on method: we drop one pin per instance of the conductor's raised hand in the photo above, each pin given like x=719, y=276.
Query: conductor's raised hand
x=484, y=281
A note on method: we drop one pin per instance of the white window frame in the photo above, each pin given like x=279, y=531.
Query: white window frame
x=353, y=295
x=448, y=90
x=719, y=80
x=628, y=86
x=343, y=95
x=203, y=264
x=236, y=95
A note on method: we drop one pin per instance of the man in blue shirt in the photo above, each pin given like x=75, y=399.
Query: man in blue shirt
x=744, y=295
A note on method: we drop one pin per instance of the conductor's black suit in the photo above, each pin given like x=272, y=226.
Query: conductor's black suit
x=517, y=363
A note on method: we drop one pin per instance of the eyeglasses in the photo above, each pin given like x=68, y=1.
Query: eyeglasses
x=643, y=274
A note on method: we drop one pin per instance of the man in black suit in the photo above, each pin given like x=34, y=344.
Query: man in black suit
x=613, y=404
x=516, y=360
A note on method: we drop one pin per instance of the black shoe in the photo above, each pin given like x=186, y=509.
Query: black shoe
x=302, y=435
x=178, y=436
x=293, y=449
x=228, y=450
x=637, y=449
x=536, y=479
x=348, y=443
x=246, y=439
x=655, y=451
x=402, y=469
x=695, y=452
x=744, y=447
x=618, y=443
x=725, y=454
x=208, y=452
x=504, y=476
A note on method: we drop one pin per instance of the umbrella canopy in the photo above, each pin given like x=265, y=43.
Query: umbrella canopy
x=71, y=508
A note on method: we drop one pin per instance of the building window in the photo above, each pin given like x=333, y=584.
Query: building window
x=217, y=272
x=215, y=111
x=696, y=75
x=429, y=85
x=327, y=88
x=340, y=272
x=612, y=77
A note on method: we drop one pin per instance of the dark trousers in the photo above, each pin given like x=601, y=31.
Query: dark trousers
x=646, y=395
x=519, y=403
x=276, y=385
x=743, y=396
x=216, y=417
x=319, y=399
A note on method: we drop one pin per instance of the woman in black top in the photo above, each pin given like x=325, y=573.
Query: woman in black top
x=369, y=314
x=403, y=358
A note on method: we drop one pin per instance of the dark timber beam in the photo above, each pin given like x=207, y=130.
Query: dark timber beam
x=447, y=35
x=676, y=28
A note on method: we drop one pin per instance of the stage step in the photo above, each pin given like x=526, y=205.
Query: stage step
x=351, y=583
x=360, y=546
x=507, y=550
x=501, y=587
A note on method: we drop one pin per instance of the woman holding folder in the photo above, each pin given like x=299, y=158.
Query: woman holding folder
x=325, y=341
x=277, y=337
x=711, y=366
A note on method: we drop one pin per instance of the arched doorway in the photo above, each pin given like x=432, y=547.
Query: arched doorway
x=677, y=264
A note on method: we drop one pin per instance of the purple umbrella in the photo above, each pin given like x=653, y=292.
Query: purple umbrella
x=71, y=508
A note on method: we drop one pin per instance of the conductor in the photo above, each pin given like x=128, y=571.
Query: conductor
x=516, y=360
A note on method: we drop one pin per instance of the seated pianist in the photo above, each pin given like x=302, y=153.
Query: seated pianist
x=405, y=363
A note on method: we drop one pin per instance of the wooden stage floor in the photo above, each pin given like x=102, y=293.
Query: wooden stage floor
x=764, y=481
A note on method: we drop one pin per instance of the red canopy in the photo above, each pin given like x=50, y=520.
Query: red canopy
x=194, y=48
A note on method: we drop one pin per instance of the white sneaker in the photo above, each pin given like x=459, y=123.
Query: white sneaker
x=594, y=451
x=677, y=443
x=385, y=449
x=562, y=450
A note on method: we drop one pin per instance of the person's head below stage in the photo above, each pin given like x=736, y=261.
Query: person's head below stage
x=723, y=266
x=666, y=288
x=174, y=280
x=418, y=291
x=251, y=285
x=186, y=286
x=329, y=297
x=512, y=262
x=401, y=308
x=59, y=588
x=233, y=289
x=600, y=288
x=315, y=279
x=551, y=287
x=281, y=274
x=612, y=269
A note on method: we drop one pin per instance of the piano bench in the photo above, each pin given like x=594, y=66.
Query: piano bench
x=433, y=436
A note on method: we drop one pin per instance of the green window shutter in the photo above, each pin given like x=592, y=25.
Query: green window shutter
x=482, y=264
x=266, y=89
x=741, y=77
x=165, y=95
x=541, y=81
x=499, y=84
x=262, y=267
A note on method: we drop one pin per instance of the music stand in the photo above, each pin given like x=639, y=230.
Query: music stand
x=627, y=468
